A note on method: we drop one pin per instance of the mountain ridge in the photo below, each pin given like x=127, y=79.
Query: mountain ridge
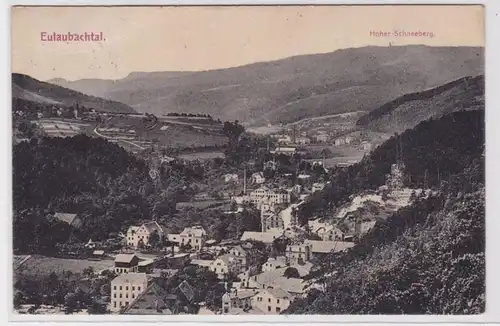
x=27, y=88
x=294, y=88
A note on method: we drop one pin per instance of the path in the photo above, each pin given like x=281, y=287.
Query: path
x=122, y=140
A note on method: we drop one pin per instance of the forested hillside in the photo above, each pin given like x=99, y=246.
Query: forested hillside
x=107, y=186
x=408, y=110
x=425, y=259
x=432, y=152
x=30, y=89
x=109, y=189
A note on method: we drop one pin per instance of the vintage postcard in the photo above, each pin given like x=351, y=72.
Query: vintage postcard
x=248, y=160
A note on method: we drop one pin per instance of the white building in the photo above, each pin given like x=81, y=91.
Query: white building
x=140, y=235
x=317, y=186
x=285, y=139
x=330, y=233
x=125, y=288
x=231, y=177
x=302, y=140
x=298, y=253
x=285, y=150
x=322, y=137
x=272, y=301
x=269, y=218
x=226, y=264
x=237, y=302
x=304, y=176
x=271, y=196
x=240, y=254
x=258, y=178
x=274, y=263
x=126, y=263
x=194, y=236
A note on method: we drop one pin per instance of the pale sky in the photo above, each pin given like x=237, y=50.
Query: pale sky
x=203, y=38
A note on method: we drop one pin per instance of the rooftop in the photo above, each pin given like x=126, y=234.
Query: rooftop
x=279, y=293
x=65, y=217
x=328, y=246
x=130, y=278
x=124, y=258
x=153, y=301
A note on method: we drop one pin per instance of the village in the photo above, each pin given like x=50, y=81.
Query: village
x=262, y=287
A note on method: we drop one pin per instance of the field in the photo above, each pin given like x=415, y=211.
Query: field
x=62, y=127
x=205, y=155
x=41, y=265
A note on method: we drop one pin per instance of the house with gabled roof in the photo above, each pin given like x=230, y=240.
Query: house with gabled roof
x=126, y=263
x=239, y=253
x=226, y=264
x=272, y=301
x=194, y=236
x=153, y=301
x=140, y=235
x=71, y=219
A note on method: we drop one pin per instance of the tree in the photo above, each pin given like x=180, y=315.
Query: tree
x=154, y=239
x=70, y=302
x=97, y=308
x=105, y=289
x=19, y=299
x=88, y=272
x=291, y=272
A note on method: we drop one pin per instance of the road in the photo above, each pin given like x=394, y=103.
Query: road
x=122, y=140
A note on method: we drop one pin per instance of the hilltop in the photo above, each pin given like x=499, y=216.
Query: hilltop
x=30, y=90
x=291, y=89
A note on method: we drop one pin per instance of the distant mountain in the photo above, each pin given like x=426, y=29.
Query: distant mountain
x=287, y=90
x=26, y=88
x=409, y=110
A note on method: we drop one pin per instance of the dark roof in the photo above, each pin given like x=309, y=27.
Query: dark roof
x=154, y=300
x=65, y=217
x=153, y=226
x=125, y=258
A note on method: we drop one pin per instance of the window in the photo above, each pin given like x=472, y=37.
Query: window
x=126, y=303
x=278, y=309
x=269, y=300
x=120, y=287
x=114, y=304
x=126, y=288
x=121, y=295
x=268, y=308
x=133, y=288
x=114, y=295
x=133, y=295
x=114, y=287
x=277, y=300
x=126, y=295
x=138, y=288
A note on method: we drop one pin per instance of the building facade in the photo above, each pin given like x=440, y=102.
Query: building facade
x=298, y=253
x=140, y=236
x=125, y=288
x=270, y=196
x=272, y=301
x=126, y=263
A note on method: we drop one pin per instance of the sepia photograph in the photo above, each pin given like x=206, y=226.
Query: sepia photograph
x=248, y=160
